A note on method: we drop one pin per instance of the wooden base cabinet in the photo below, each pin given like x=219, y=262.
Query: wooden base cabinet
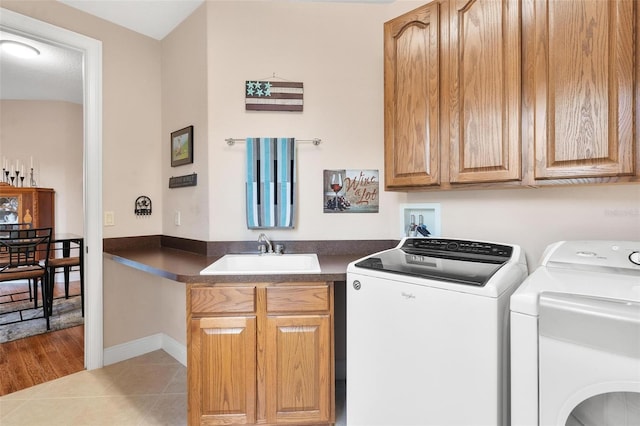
x=261, y=354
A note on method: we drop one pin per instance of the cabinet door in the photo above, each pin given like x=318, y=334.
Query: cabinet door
x=222, y=371
x=484, y=91
x=411, y=98
x=583, y=93
x=298, y=369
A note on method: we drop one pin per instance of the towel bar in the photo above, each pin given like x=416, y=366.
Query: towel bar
x=315, y=141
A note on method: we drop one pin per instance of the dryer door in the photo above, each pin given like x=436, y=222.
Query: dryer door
x=588, y=346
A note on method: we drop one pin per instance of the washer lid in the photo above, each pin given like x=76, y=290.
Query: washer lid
x=453, y=261
x=588, y=268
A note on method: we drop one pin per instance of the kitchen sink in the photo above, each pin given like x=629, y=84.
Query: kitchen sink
x=256, y=264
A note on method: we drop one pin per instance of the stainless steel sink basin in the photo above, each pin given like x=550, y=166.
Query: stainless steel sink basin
x=256, y=264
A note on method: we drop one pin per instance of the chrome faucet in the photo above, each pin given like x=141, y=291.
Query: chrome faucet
x=263, y=239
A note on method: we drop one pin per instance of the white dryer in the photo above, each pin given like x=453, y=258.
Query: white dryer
x=575, y=337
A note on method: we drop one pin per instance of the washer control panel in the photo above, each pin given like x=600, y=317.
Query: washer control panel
x=428, y=245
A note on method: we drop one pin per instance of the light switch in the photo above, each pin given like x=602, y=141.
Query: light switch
x=176, y=218
x=109, y=219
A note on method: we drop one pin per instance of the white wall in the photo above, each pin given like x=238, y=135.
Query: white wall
x=138, y=304
x=50, y=132
x=534, y=218
x=132, y=130
x=335, y=49
x=184, y=103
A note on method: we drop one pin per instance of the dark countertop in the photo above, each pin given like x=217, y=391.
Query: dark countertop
x=181, y=260
x=184, y=266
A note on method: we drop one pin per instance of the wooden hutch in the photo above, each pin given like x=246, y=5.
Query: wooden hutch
x=27, y=205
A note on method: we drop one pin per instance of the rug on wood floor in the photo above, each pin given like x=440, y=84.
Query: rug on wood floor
x=19, y=319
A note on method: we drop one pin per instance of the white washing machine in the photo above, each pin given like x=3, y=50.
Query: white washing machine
x=427, y=336
x=575, y=337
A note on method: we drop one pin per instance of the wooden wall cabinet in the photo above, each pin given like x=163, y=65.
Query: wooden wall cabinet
x=582, y=69
x=260, y=354
x=483, y=91
x=452, y=94
x=517, y=93
x=27, y=205
x=412, y=99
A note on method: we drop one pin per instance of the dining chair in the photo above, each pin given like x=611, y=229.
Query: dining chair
x=60, y=258
x=33, y=290
x=24, y=255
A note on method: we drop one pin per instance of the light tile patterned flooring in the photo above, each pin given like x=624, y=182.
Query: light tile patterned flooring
x=147, y=390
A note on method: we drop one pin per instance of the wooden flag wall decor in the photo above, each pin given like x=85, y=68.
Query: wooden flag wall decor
x=273, y=96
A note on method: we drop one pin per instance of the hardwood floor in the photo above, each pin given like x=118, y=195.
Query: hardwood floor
x=38, y=359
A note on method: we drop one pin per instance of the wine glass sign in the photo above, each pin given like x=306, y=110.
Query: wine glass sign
x=335, y=182
x=351, y=191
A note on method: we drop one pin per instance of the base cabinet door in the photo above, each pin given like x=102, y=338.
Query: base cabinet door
x=260, y=354
x=223, y=371
x=298, y=369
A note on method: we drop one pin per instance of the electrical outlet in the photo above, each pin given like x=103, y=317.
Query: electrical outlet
x=176, y=218
x=109, y=219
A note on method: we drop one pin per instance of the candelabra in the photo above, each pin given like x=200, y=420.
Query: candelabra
x=15, y=178
x=32, y=183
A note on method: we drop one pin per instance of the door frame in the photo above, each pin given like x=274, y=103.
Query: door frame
x=92, y=167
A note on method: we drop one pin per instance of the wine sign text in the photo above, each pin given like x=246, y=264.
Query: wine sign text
x=362, y=188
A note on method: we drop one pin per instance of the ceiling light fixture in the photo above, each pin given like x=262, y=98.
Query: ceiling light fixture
x=19, y=49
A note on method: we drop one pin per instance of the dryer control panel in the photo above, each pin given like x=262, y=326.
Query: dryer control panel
x=623, y=256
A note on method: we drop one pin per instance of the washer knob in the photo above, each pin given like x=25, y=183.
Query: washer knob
x=357, y=285
x=635, y=257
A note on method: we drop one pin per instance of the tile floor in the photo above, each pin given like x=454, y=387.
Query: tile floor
x=147, y=390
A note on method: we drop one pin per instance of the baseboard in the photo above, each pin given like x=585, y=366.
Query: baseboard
x=174, y=348
x=145, y=345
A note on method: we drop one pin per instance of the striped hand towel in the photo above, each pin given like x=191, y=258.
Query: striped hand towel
x=270, y=182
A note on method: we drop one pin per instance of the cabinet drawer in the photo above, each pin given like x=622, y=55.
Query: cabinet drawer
x=311, y=298
x=213, y=300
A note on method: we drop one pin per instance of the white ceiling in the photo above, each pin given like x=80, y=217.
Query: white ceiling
x=57, y=73
x=153, y=18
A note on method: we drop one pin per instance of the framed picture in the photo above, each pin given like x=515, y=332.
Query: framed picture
x=182, y=147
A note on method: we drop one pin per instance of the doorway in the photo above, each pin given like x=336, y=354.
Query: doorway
x=92, y=166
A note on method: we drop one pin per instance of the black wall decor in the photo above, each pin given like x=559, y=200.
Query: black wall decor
x=182, y=181
x=143, y=206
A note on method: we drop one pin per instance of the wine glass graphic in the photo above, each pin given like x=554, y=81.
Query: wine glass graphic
x=336, y=185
